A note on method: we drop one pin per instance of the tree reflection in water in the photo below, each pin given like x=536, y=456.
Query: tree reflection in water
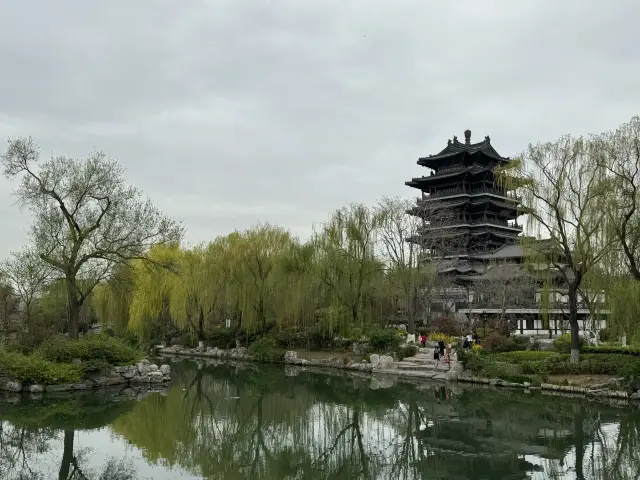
x=252, y=421
x=225, y=422
x=30, y=431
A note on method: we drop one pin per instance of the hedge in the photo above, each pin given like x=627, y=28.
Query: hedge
x=31, y=369
x=94, y=348
x=617, y=349
x=590, y=364
x=525, y=356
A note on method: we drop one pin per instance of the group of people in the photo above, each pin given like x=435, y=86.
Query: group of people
x=440, y=352
x=470, y=339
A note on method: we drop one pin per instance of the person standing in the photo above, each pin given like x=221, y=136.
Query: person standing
x=441, y=347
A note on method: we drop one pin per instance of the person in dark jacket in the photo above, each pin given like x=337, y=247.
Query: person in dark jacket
x=441, y=347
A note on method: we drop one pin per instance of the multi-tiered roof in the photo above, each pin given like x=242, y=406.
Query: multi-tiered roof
x=465, y=208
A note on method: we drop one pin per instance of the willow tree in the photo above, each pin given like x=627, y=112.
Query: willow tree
x=87, y=219
x=562, y=193
x=618, y=154
x=153, y=281
x=257, y=260
x=346, y=261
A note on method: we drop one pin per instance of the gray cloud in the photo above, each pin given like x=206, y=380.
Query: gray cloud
x=232, y=112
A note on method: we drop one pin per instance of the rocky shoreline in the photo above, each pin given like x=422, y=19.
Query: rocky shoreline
x=385, y=365
x=143, y=372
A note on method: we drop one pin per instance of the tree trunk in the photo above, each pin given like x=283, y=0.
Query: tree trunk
x=411, y=320
x=67, y=455
x=573, y=324
x=73, y=310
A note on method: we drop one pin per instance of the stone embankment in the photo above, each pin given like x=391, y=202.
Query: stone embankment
x=420, y=366
x=144, y=372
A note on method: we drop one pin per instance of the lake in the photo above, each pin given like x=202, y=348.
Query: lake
x=265, y=422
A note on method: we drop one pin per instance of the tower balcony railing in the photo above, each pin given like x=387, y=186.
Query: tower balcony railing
x=451, y=168
x=453, y=222
x=463, y=191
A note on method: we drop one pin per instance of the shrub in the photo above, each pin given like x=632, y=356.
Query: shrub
x=495, y=342
x=319, y=337
x=563, y=343
x=32, y=369
x=266, y=349
x=384, y=339
x=93, y=347
x=521, y=356
x=447, y=325
x=224, y=338
x=607, y=335
x=406, y=351
x=437, y=336
x=620, y=350
x=595, y=364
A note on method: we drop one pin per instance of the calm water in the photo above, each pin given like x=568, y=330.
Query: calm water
x=255, y=422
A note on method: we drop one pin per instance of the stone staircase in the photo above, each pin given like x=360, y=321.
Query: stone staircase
x=424, y=363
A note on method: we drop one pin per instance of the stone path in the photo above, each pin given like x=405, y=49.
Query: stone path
x=424, y=365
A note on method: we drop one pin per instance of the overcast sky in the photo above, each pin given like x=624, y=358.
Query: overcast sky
x=231, y=112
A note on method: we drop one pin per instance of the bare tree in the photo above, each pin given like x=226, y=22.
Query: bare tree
x=562, y=193
x=29, y=276
x=9, y=303
x=86, y=218
x=397, y=238
x=505, y=286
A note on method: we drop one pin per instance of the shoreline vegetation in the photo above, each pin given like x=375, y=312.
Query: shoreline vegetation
x=498, y=369
x=93, y=362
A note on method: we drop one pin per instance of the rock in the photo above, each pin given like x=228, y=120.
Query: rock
x=175, y=341
x=143, y=368
x=66, y=387
x=165, y=369
x=153, y=367
x=384, y=381
x=635, y=396
x=494, y=382
x=9, y=385
x=130, y=372
x=36, y=388
x=291, y=356
x=527, y=384
x=385, y=361
x=304, y=361
x=360, y=349
x=375, y=360
x=145, y=361
x=155, y=376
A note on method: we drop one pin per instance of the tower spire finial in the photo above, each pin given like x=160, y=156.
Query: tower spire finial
x=467, y=136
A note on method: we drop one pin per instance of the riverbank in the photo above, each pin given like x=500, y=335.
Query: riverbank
x=420, y=367
x=144, y=372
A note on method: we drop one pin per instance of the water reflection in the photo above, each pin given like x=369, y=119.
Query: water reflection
x=34, y=430
x=249, y=421
x=224, y=422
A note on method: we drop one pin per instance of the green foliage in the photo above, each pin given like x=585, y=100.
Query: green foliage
x=384, y=339
x=90, y=348
x=525, y=356
x=406, y=351
x=495, y=343
x=634, y=351
x=563, y=343
x=32, y=369
x=266, y=350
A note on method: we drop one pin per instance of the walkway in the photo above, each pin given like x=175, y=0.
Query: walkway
x=425, y=366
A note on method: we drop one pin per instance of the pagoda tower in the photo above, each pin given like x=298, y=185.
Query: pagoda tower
x=464, y=208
